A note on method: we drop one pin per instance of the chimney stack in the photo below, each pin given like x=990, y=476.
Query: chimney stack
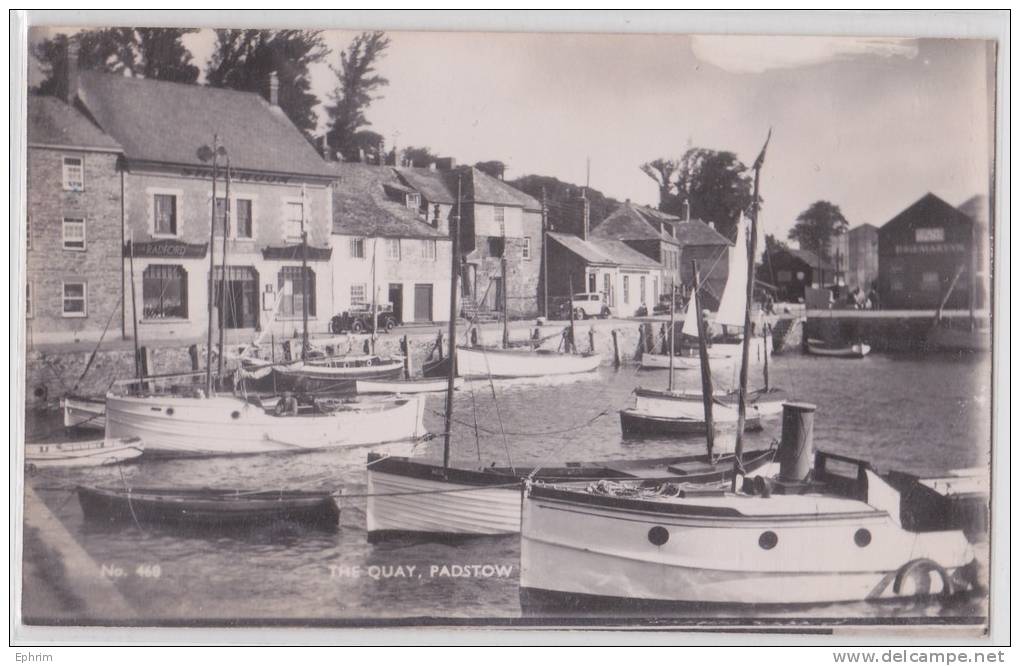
x=687, y=210
x=70, y=87
x=274, y=89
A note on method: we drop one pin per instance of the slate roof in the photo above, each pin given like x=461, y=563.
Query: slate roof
x=52, y=122
x=604, y=251
x=160, y=121
x=440, y=186
x=696, y=232
x=926, y=210
x=361, y=206
x=634, y=222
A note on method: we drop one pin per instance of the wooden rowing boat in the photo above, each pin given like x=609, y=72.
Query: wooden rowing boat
x=208, y=507
x=84, y=412
x=820, y=348
x=83, y=454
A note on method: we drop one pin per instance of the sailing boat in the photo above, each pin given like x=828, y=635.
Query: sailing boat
x=974, y=338
x=807, y=534
x=421, y=496
x=197, y=422
x=508, y=361
x=672, y=412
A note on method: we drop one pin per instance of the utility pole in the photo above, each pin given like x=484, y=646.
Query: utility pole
x=545, y=256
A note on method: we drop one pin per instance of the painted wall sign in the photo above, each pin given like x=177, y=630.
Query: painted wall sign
x=167, y=248
x=931, y=248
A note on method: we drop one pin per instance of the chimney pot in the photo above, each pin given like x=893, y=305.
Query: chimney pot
x=70, y=87
x=274, y=89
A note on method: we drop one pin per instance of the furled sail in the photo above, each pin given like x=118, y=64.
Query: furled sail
x=732, y=305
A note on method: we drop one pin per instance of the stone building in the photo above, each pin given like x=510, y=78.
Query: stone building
x=383, y=238
x=73, y=235
x=498, y=222
x=278, y=185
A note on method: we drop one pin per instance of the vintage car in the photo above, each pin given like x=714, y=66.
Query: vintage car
x=359, y=320
x=586, y=306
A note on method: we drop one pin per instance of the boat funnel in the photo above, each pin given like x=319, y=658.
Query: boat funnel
x=796, y=449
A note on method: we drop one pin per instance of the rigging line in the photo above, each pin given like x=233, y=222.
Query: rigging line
x=499, y=415
x=95, y=350
x=474, y=415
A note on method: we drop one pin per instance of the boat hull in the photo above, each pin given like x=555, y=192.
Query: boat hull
x=80, y=412
x=636, y=422
x=502, y=363
x=851, y=351
x=418, y=497
x=410, y=386
x=83, y=454
x=315, y=379
x=604, y=548
x=224, y=425
x=208, y=508
x=661, y=362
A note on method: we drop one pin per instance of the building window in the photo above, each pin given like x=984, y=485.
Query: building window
x=499, y=215
x=357, y=248
x=75, y=296
x=164, y=292
x=28, y=300
x=930, y=280
x=164, y=207
x=655, y=290
x=74, y=233
x=428, y=250
x=496, y=246
x=292, y=287
x=412, y=200
x=74, y=174
x=242, y=214
x=294, y=220
x=358, y=292
x=222, y=229
x=642, y=290
x=929, y=235
x=607, y=289
x=592, y=281
x=393, y=249
x=526, y=251
x=626, y=289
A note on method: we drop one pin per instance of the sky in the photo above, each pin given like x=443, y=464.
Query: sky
x=870, y=124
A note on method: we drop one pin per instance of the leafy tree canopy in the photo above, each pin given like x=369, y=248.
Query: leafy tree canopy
x=151, y=53
x=356, y=85
x=816, y=227
x=563, y=202
x=494, y=168
x=244, y=59
x=418, y=156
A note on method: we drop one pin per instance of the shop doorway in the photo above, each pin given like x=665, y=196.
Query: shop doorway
x=396, y=296
x=241, y=300
x=423, y=302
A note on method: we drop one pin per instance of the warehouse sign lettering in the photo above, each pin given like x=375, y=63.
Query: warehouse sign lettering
x=931, y=248
x=237, y=175
x=167, y=248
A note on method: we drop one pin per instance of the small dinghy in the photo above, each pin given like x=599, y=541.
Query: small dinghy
x=83, y=454
x=427, y=385
x=820, y=348
x=209, y=507
x=84, y=412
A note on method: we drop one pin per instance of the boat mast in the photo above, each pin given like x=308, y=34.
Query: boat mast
x=738, y=463
x=304, y=279
x=506, y=314
x=672, y=327
x=707, y=394
x=134, y=309
x=375, y=292
x=570, y=286
x=545, y=256
x=973, y=270
x=223, y=266
x=452, y=374
x=212, y=268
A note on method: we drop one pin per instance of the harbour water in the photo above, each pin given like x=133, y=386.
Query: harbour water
x=922, y=414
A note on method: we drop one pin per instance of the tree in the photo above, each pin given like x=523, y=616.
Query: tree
x=151, y=53
x=418, y=156
x=664, y=173
x=494, y=168
x=765, y=270
x=716, y=185
x=356, y=83
x=563, y=202
x=816, y=227
x=243, y=60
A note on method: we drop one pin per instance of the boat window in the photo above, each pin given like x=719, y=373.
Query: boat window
x=658, y=535
x=768, y=540
x=862, y=537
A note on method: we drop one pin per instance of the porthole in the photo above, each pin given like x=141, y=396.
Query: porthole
x=862, y=537
x=658, y=535
x=768, y=540
x=235, y=414
x=169, y=411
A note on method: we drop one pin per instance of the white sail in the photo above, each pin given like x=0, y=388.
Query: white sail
x=732, y=306
x=690, y=325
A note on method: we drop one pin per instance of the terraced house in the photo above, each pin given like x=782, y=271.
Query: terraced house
x=73, y=233
x=279, y=186
x=498, y=222
x=387, y=246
